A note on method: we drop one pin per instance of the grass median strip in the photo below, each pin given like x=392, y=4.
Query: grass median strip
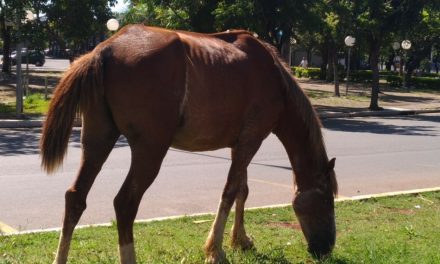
x=400, y=229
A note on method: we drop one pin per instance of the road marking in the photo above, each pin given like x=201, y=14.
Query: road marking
x=5, y=229
x=340, y=198
x=273, y=183
x=429, y=165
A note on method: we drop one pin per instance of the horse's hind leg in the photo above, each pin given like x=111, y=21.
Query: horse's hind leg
x=242, y=155
x=239, y=239
x=98, y=137
x=147, y=156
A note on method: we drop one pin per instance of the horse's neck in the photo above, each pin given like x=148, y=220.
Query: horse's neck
x=303, y=141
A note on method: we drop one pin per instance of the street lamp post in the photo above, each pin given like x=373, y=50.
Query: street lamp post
x=19, y=74
x=406, y=45
x=292, y=42
x=19, y=85
x=396, y=46
x=349, y=42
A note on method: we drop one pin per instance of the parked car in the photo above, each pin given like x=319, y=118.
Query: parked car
x=33, y=56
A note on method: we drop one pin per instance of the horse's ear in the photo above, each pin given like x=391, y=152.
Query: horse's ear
x=331, y=164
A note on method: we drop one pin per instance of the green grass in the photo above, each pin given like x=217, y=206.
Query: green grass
x=32, y=104
x=382, y=230
x=36, y=104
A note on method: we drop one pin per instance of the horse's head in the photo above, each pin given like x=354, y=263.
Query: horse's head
x=315, y=210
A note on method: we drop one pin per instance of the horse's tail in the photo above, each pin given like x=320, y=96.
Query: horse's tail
x=80, y=86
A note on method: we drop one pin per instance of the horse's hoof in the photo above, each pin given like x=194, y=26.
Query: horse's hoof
x=216, y=257
x=244, y=243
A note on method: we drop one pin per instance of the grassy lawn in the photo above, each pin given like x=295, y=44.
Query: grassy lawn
x=32, y=104
x=402, y=229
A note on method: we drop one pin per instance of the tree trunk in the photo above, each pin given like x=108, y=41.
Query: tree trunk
x=374, y=61
x=285, y=51
x=324, y=53
x=329, y=75
x=335, y=71
x=6, y=35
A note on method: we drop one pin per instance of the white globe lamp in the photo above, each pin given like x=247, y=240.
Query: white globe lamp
x=406, y=44
x=350, y=41
x=112, y=24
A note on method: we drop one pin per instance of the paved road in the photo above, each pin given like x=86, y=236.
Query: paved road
x=373, y=155
x=50, y=65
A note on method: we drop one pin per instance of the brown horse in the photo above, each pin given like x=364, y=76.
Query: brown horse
x=196, y=92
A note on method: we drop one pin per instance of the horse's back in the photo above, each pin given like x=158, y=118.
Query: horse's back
x=145, y=81
x=230, y=86
x=199, y=90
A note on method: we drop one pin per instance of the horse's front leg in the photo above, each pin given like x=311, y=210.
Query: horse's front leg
x=241, y=157
x=239, y=239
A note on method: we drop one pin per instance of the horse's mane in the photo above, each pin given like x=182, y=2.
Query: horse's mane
x=307, y=113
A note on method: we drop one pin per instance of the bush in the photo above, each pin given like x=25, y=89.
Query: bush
x=394, y=80
x=429, y=74
x=300, y=72
x=361, y=76
x=426, y=83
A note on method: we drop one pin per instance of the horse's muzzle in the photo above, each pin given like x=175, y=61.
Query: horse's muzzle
x=322, y=245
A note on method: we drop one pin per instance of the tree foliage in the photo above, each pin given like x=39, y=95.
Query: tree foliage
x=74, y=24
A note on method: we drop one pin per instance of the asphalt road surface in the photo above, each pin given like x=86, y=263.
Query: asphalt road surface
x=373, y=155
x=50, y=65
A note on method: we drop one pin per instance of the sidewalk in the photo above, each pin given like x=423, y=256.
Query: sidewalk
x=394, y=102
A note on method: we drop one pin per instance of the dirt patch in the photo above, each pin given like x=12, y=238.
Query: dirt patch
x=295, y=226
x=401, y=211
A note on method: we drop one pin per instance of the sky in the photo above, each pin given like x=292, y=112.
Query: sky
x=120, y=6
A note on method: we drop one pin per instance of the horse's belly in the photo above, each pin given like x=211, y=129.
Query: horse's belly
x=204, y=136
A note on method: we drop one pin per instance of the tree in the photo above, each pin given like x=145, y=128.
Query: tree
x=78, y=23
x=10, y=13
x=175, y=14
x=424, y=37
x=274, y=21
x=336, y=24
x=378, y=19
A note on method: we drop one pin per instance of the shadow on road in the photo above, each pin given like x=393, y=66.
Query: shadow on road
x=19, y=141
x=25, y=141
x=373, y=126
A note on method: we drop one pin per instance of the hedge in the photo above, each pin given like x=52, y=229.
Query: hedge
x=394, y=80
x=391, y=77
x=426, y=83
x=312, y=73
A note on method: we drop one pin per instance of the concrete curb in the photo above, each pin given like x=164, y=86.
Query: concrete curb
x=36, y=123
x=341, y=199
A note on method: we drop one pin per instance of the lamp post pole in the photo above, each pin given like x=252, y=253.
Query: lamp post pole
x=19, y=86
x=396, y=46
x=406, y=45
x=349, y=42
x=291, y=42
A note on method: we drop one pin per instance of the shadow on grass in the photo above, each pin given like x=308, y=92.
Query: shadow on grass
x=398, y=98
x=275, y=256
